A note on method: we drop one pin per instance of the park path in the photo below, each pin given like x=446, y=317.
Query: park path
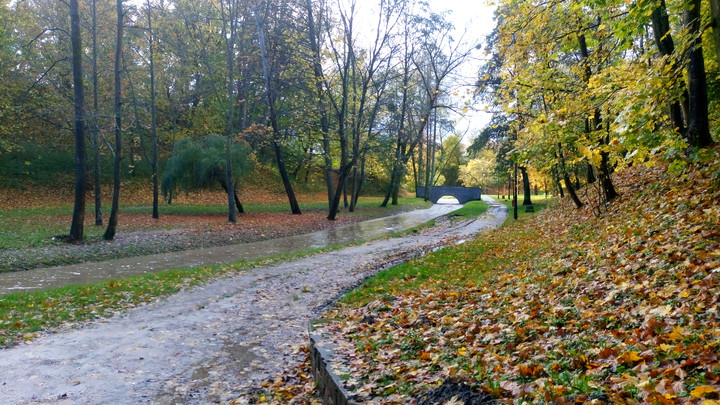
x=211, y=343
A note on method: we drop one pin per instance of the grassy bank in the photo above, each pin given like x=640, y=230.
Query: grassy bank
x=566, y=306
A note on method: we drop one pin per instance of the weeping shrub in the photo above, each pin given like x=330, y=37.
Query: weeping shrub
x=198, y=163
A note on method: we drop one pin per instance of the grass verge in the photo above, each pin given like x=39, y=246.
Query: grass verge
x=569, y=306
x=472, y=209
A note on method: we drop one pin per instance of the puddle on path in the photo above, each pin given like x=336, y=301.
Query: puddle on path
x=50, y=277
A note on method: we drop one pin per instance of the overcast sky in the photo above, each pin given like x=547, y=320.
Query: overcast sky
x=475, y=16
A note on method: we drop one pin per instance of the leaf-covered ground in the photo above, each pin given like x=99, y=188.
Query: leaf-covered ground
x=28, y=235
x=562, y=307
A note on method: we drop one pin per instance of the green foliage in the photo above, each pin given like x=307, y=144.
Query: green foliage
x=451, y=158
x=480, y=171
x=587, y=78
x=32, y=164
x=199, y=163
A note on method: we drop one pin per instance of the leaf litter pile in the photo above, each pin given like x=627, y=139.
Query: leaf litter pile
x=562, y=307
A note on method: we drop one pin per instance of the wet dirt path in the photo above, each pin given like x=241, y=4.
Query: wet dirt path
x=211, y=343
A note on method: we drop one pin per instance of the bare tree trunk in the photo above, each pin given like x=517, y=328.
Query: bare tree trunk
x=112, y=222
x=78, y=218
x=359, y=185
x=236, y=199
x=294, y=206
x=230, y=19
x=153, y=118
x=604, y=171
x=322, y=110
x=556, y=180
x=95, y=142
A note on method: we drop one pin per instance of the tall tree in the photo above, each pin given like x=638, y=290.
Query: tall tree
x=315, y=39
x=698, y=125
x=153, y=113
x=95, y=126
x=272, y=116
x=115, y=206
x=230, y=16
x=78, y=217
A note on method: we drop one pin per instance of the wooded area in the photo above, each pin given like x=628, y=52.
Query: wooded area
x=294, y=83
x=317, y=94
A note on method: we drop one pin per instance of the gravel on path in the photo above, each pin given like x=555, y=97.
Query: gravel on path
x=211, y=343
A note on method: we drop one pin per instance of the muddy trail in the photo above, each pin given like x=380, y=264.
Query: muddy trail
x=214, y=343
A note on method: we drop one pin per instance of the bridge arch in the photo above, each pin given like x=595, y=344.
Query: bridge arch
x=462, y=194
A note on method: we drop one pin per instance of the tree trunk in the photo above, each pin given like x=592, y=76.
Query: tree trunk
x=236, y=199
x=698, y=125
x=666, y=46
x=230, y=21
x=95, y=142
x=78, y=217
x=359, y=185
x=320, y=93
x=566, y=177
x=556, y=180
x=526, y=186
x=294, y=206
x=604, y=169
x=590, y=178
x=153, y=119
x=112, y=222
x=715, y=23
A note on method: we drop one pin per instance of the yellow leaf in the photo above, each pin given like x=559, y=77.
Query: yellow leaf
x=709, y=402
x=701, y=390
x=684, y=294
x=629, y=357
x=662, y=310
x=676, y=334
x=665, y=347
x=462, y=351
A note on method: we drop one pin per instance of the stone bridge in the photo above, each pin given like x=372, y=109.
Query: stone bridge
x=463, y=194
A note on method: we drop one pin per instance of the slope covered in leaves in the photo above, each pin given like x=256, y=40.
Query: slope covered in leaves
x=563, y=307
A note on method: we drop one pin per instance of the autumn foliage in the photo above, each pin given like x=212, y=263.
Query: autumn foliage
x=564, y=307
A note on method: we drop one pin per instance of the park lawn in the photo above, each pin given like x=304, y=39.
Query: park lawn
x=566, y=306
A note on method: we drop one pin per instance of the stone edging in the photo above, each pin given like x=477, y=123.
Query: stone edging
x=330, y=388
